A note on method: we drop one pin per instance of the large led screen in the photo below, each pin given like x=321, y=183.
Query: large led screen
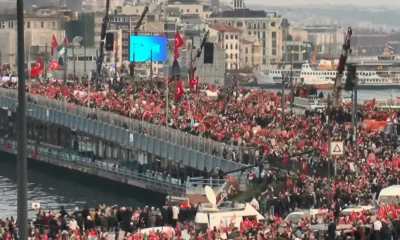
x=142, y=46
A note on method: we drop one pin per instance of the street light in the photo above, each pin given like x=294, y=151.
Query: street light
x=76, y=41
x=291, y=77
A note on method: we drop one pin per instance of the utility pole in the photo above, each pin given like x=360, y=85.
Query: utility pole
x=115, y=58
x=65, y=63
x=84, y=59
x=151, y=64
x=237, y=82
x=291, y=83
x=74, y=60
x=46, y=60
x=22, y=166
x=328, y=123
x=283, y=100
x=354, y=115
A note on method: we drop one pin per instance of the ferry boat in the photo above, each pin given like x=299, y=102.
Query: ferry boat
x=375, y=74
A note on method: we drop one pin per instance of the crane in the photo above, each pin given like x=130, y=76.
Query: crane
x=135, y=32
x=100, y=58
x=341, y=67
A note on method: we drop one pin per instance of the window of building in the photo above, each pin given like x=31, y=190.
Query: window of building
x=273, y=35
x=187, y=10
x=231, y=46
x=229, y=24
x=255, y=26
x=258, y=25
x=247, y=50
x=263, y=25
x=236, y=55
x=249, y=25
x=231, y=56
x=10, y=24
x=227, y=46
x=273, y=24
x=226, y=56
x=249, y=32
x=28, y=24
x=273, y=52
x=236, y=46
x=2, y=25
x=236, y=37
x=263, y=35
x=231, y=36
x=197, y=10
x=247, y=60
x=239, y=24
x=42, y=24
x=226, y=37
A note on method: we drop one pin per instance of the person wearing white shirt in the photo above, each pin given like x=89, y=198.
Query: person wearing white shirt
x=377, y=229
x=175, y=213
x=255, y=204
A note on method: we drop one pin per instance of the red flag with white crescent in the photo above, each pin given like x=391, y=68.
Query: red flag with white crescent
x=53, y=65
x=37, y=68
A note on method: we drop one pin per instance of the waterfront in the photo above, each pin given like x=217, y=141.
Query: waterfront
x=53, y=187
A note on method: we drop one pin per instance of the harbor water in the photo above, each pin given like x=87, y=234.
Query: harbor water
x=53, y=187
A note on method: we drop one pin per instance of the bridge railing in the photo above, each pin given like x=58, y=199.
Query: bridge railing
x=44, y=154
x=196, y=185
x=174, y=136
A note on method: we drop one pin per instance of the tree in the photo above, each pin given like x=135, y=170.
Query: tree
x=289, y=37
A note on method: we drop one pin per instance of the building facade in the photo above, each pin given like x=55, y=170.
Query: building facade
x=228, y=38
x=328, y=38
x=40, y=25
x=262, y=25
x=251, y=53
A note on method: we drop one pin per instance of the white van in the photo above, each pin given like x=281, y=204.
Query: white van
x=210, y=217
x=297, y=216
x=389, y=194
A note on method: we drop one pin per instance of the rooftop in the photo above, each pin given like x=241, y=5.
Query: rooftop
x=225, y=28
x=242, y=13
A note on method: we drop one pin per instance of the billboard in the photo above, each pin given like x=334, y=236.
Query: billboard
x=141, y=46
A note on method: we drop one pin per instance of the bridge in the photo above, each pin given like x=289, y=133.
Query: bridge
x=192, y=151
x=149, y=180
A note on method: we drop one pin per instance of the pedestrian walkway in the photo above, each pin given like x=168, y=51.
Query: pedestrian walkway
x=173, y=148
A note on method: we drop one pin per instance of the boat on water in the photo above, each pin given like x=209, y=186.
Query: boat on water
x=373, y=74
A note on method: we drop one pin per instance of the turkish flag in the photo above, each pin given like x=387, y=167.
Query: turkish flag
x=53, y=65
x=179, y=90
x=194, y=82
x=54, y=44
x=37, y=68
x=178, y=42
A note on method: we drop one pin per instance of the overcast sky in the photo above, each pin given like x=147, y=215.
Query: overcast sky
x=382, y=3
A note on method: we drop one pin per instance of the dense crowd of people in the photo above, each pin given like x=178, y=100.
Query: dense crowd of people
x=252, y=118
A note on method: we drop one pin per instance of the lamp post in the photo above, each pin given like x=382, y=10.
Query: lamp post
x=22, y=167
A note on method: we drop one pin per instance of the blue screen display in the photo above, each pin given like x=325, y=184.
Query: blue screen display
x=141, y=47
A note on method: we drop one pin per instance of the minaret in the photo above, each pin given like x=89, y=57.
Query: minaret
x=238, y=4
